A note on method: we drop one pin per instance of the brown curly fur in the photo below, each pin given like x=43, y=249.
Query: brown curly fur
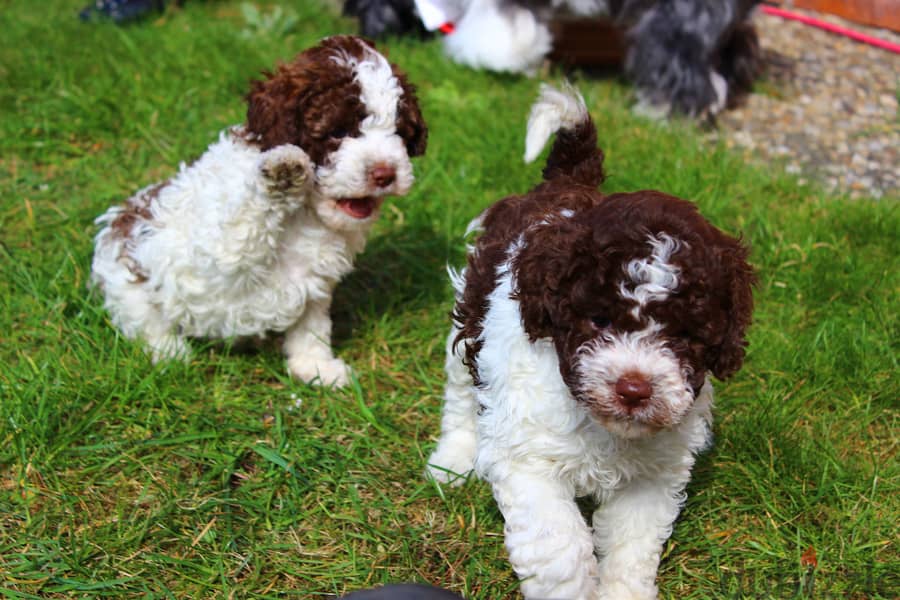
x=312, y=103
x=568, y=275
x=568, y=269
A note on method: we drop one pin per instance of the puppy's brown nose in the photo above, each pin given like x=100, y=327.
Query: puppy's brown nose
x=633, y=390
x=382, y=175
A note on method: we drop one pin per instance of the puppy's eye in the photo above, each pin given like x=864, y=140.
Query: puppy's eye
x=601, y=322
x=338, y=133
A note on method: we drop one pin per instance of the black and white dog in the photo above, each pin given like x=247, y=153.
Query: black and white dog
x=691, y=57
x=380, y=18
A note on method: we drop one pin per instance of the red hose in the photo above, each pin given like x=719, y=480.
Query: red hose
x=860, y=37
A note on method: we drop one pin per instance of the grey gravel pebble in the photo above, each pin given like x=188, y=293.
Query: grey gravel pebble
x=826, y=107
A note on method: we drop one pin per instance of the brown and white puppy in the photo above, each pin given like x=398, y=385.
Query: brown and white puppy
x=586, y=329
x=254, y=235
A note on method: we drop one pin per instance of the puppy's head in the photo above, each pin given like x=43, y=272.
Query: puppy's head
x=642, y=298
x=353, y=113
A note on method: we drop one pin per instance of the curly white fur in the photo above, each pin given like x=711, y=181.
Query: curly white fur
x=244, y=242
x=500, y=38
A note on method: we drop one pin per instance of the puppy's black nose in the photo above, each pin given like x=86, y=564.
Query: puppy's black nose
x=633, y=389
x=382, y=175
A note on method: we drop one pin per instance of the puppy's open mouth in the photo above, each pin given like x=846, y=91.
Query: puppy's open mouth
x=359, y=208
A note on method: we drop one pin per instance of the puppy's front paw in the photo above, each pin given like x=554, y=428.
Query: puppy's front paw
x=453, y=459
x=318, y=371
x=168, y=347
x=286, y=170
x=616, y=590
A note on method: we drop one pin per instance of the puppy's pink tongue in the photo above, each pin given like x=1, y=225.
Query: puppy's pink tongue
x=358, y=208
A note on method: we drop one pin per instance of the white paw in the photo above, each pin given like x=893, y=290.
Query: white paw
x=168, y=347
x=453, y=459
x=286, y=170
x=651, y=110
x=721, y=88
x=617, y=590
x=318, y=371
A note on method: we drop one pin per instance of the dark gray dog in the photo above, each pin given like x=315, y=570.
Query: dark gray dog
x=403, y=591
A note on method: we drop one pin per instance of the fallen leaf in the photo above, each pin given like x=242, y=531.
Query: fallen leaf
x=808, y=558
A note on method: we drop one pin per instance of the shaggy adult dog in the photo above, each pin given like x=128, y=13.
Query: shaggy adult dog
x=691, y=57
x=585, y=332
x=254, y=235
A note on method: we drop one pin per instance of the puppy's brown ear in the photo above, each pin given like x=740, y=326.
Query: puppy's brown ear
x=272, y=105
x=546, y=269
x=410, y=124
x=726, y=359
x=369, y=43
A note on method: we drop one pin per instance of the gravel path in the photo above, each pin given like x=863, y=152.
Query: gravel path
x=826, y=108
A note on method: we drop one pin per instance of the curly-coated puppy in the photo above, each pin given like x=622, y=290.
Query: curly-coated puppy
x=691, y=57
x=254, y=235
x=586, y=329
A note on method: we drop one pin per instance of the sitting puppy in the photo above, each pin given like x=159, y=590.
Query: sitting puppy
x=586, y=328
x=254, y=235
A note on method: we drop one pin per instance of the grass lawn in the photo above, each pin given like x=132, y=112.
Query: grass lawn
x=223, y=478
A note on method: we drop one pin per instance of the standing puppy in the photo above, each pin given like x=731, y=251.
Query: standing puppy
x=254, y=235
x=586, y=329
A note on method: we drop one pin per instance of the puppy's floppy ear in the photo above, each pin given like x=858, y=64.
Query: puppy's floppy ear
x=367, y=42
x=410, y=124
x=272, y=104
x=725, y=359
x=546, y=269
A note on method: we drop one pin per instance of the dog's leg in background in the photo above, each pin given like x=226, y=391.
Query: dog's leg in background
x=670, y=56
x=307, y=345
x=548, y=541
x=740, y=62
x=454, y=456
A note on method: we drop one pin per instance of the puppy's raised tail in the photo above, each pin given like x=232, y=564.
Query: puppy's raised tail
x=575, y=154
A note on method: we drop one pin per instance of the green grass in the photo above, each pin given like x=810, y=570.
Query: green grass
x=121, y=479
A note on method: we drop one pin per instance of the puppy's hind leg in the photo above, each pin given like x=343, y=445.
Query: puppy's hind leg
x=137, y=317
x=126, y=298
x=165, y=345
x=455, y=452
